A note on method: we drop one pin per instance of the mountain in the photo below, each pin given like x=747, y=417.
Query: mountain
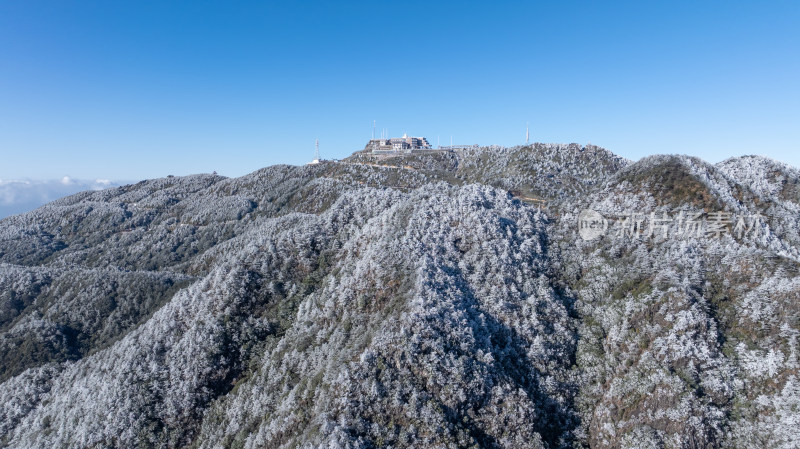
x=18, y=196
x=439, y=300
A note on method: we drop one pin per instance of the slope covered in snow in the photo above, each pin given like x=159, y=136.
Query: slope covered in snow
x=429, y=300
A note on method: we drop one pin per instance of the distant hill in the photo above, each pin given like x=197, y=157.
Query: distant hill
x=447, y=300
x=18, y=196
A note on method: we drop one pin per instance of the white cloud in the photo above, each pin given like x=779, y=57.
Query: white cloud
x=22, y=195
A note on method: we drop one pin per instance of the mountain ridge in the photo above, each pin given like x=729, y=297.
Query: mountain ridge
x=414, y=301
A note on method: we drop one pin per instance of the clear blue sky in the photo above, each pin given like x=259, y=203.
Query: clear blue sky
x=139, y=89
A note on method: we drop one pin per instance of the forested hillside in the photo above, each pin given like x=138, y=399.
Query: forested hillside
x=438, y=300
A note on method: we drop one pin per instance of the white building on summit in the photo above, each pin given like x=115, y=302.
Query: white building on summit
x=399, y=144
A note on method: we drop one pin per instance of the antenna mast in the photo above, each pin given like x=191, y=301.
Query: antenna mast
x=527, y=133
x=374, y=143
x=316, y=151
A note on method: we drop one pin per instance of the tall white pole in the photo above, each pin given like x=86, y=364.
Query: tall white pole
x=527, y=133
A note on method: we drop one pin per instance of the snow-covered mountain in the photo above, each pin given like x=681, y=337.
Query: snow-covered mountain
x=439, y=300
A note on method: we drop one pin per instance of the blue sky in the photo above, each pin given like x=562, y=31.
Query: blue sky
x=134, y=90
